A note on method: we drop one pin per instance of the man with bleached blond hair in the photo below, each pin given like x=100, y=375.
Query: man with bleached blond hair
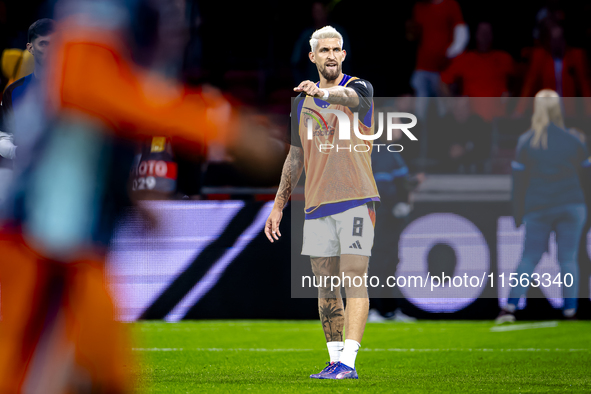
x=340, y=195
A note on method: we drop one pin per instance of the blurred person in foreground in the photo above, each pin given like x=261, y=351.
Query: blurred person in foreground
x=340, y=192
x=38, y=45
x=75, y=153
x=483, y=72
x=439, y=27
x=551, y=180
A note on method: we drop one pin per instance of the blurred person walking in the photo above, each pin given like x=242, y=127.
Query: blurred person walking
x=551, y=178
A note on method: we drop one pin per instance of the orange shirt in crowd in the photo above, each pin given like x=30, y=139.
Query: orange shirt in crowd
x=437, y=22
x=482, y=75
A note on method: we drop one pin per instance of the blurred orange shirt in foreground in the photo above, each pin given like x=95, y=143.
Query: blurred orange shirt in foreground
x=92, y=77
x=91, y=74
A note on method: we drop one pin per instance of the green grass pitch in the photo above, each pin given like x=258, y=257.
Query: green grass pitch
x=423, y=357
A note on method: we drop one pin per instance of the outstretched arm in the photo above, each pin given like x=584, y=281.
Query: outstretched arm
x=336, y=95
x=292, y=170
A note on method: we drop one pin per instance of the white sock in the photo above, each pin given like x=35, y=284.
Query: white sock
x=334, y=350
x=350, y=353
x=510, y=308
x=569, y=312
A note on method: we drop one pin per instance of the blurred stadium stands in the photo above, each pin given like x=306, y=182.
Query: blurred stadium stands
x=252, y=61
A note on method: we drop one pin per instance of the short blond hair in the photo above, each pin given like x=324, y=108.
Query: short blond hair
x=325, y=32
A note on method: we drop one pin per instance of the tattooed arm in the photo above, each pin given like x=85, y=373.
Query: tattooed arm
x=292, y=170
x=357, y=95
x=343, y=95
x=337, y=94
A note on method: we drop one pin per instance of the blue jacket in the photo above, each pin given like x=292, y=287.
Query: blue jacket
x=546, y=178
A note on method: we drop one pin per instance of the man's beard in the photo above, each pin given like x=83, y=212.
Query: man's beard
x=328, y=75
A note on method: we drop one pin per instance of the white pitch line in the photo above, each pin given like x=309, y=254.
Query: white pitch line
x=156, y=349
x=528, y=326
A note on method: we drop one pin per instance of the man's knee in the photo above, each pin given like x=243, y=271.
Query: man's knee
x=325, y=266
x=354, y=266
x=355, y=282
x=326, y=270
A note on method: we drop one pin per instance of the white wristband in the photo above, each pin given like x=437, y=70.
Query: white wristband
x=7, y=149
x=326, y=94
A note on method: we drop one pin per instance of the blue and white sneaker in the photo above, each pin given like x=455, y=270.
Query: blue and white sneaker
x=341, y=371
x=328, y=368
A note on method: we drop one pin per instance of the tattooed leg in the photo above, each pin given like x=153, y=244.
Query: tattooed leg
x=330, y=303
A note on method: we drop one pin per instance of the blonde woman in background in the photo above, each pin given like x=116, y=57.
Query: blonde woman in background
x=550, y=175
